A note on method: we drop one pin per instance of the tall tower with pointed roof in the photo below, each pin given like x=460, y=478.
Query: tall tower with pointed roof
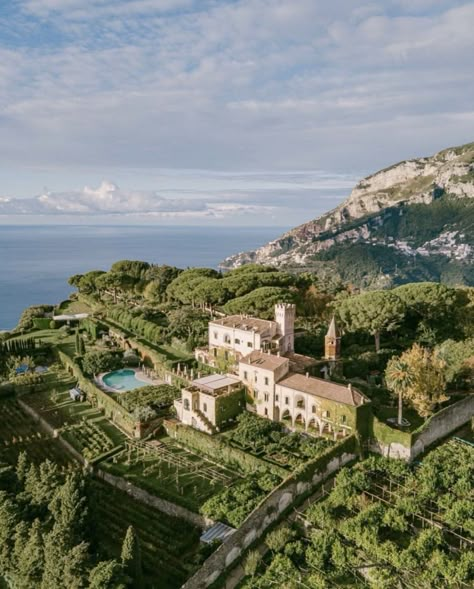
x=332, y=342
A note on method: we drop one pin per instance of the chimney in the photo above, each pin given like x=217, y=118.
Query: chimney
x=349, y=386
x=307, y=375
x=278, y=353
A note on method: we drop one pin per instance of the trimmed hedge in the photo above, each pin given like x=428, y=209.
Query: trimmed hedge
x=113, y=410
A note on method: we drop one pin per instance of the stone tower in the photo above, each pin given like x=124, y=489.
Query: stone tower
x=332, y=342
x=285, y=314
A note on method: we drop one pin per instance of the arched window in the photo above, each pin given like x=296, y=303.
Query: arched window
x=186, y=404
x=313, y=409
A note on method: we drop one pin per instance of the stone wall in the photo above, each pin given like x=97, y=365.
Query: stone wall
x=270, y=510
x=394, y=443
x=148, y=499
x=53, y=432
x=443, y=423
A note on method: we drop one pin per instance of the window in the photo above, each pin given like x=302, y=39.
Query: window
x=287, y=401
x=204, y=407
x=266, y=380
x=236, y=341
x=276, y=398
x=255, y=378
x=266, y=411
x=249, y=345
x=214, y=351
x=343, y=419
x=186, y=404
x=313, y=409
x=227, y=339
x=246, y=376
x=326, y=414
x=216, y=335
x=226, y=355
x=266, y=396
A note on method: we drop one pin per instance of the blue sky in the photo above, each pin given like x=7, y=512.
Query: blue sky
x=215, y=111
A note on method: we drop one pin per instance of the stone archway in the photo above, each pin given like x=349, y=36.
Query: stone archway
x=299, y=422
x=286, y=416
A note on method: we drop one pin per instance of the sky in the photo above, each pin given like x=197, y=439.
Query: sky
x=238, y=112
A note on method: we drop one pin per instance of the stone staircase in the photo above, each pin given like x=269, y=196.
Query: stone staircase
x=205, y=424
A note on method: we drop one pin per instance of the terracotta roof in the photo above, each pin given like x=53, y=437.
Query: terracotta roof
x=299, y=362
x=323, y=388
x=264, y=360
x=244, y=323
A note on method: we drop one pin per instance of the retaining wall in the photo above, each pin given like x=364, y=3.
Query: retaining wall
x=272, y=508
x=148, y=499
x=53, y=432
x=407, y=446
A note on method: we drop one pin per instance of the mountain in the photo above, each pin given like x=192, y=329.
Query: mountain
x=412, y=221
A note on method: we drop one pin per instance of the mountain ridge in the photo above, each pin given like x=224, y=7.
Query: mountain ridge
x=390, y=210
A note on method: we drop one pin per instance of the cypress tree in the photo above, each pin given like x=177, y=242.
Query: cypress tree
x=30, y=562
x=131, y=558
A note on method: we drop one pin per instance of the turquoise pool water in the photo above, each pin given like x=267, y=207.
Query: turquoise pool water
x=123, y=380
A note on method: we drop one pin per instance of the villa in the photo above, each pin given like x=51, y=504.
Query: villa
x=261, y=354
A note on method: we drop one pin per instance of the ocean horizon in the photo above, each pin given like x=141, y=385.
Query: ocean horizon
x=37, y=260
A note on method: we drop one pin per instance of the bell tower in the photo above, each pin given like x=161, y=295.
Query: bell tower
x=332, y=342
x=285, y=314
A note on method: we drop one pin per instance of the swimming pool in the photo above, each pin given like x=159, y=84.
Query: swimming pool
x=122, y=380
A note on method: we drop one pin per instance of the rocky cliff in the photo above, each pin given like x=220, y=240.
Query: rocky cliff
x=411, y=221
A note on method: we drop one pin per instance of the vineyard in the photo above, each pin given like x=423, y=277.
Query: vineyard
x=386, y=525
x=82, y=425
x=171, y=472
x=169, y=546
x=19, y=432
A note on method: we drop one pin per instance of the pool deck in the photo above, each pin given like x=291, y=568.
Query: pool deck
x=139, y=375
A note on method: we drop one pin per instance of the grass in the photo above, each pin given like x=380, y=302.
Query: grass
x=81, y=424
x=383, y=413
x=19, y=432
x=168, y=545
x=171, y=472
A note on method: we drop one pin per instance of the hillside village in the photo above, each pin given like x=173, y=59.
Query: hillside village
x=215, y=407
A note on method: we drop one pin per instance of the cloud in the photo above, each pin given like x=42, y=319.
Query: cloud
x=231, y=85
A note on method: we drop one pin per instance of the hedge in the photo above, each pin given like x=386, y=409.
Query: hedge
x=112, y=408
x=220, y=451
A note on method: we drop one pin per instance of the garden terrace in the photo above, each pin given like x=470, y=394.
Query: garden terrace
x=80, y=424
x=385, y=525
x=20, y=432
x=267, y=440
x=167, y=470
x=169, y=546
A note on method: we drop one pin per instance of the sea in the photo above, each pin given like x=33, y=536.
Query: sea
x=36, y=261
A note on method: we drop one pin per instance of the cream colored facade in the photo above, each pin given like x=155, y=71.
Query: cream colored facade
x=314, y=405
x=235, y=336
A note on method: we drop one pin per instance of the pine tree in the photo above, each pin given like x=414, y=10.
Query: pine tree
x=108, y=574
x=22, y=467
x=131, y=558
x=30, y=562
x=8, y=519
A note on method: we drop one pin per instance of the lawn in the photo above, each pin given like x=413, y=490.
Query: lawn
x=81, y=424
x=165, y=469
x=19, y=432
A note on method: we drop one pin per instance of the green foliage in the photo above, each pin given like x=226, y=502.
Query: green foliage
x=235, y=503
x=153, y=397
x=132, y=558
x=43, y=538
x=260, y=302
x=374, y=312
x=95, y=362
x=28, y=316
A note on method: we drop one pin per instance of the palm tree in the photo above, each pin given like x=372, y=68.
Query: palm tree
x=399, y=380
